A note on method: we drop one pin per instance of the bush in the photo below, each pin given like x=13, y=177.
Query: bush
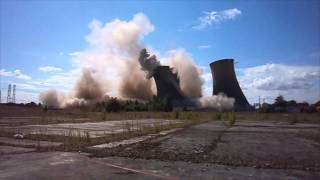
x=176, y=114
x=113, y=105
x=231, y=119
x=157, y=104
x=218, y=116
x=45, y=108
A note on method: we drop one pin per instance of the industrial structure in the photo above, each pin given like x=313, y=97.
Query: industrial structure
x=11, y=98
x=167, y=82
x=168, y=87
x=225, y=81
x=9, y=94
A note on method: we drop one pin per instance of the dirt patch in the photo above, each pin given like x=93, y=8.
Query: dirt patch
x=254, y=144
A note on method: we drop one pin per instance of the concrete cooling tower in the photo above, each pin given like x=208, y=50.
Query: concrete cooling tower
x=225, y=81
x=168, y=86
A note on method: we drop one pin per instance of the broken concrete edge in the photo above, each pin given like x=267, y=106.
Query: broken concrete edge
x=27, y=143
x=30, y=143
x=94, y=129
x=133, y=140
x=67, y=165
x=6, y=150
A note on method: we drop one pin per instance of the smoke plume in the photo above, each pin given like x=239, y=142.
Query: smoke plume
x=219, y=102
x=135, y=85
x=148, y=63
x=188, y=73
x=113, y=64
x=88, y=87
x=52, y=98
x=109, y=65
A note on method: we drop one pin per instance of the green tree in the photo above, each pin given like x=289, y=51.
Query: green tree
x=113, y=105
x=292, y=103
x=156, y=104
x=279, y=101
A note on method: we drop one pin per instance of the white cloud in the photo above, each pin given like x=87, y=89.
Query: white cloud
x=16, y=73
x=207, y=86
x=26, y=96
x=28, y=86
x=61, y=80
x=294, y=82
x=281, y=77
x=207, y=77
x=204, y=46
x=216, y=17
x=49, y=69
x=76, y=53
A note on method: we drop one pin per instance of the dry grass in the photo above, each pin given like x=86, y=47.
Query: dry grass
x=77, y=140
x=74, y=141
x=78, y=116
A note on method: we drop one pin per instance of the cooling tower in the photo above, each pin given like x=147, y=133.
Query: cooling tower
x=225, y=81
x=168, y=87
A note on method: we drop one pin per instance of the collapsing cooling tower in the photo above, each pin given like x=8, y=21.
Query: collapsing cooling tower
x=168, y=86
x=225, y=81
x=167, y=82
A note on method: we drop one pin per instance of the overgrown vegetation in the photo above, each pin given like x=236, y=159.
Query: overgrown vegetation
x=112, y=105
x=228, y=118
x=291, y=106
x=76, y=140
x=79, y=139
x=116, y=105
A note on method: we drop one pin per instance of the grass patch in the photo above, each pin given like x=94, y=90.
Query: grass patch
x=218, y=116
x=228, y=118
x=293, y=120
x=75, y=140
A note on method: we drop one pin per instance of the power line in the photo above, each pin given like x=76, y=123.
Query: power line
x=18, y=100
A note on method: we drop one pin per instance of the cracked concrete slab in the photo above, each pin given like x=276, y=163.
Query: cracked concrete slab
x=270, y=145
x=131, y=140
x=27, y=142
x=94, y=129
x=192, y=140
x=264, y=144
x=64, y=165
x=187, y=170
x=14, y=150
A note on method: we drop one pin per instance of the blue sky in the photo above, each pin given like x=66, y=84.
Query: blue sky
x=266, y=38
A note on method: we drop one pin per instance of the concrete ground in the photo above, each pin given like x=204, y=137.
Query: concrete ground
x=247, y=143
x=95, y=129
x=212, y=150
x=61, y=165
x=14, y=150
x=27, y=142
